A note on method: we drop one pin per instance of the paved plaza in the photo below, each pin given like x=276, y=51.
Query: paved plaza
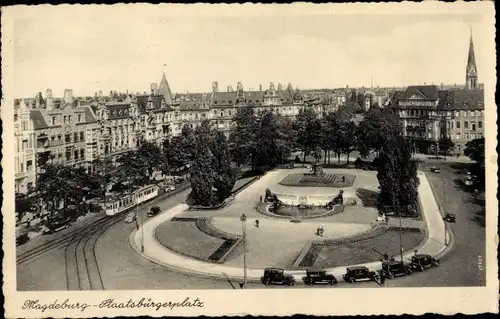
x=278, y=242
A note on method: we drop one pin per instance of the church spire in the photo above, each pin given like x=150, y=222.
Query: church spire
x=164, y=89
x=471, y=72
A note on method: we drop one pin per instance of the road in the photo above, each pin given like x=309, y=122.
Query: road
x=122, y=269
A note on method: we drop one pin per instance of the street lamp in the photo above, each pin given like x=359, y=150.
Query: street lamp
x=243, y=219
x=137, y=221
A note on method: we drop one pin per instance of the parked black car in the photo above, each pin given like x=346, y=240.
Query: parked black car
x=155, y=210
x=277, y=276
x=318, y=276
x=422, y=262
x=450, y=218
x=359, y=273
x=391, y=269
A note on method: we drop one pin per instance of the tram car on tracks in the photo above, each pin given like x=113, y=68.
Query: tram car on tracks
x=122, y=203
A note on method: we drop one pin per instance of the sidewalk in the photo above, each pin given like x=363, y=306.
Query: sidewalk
x=157, y=253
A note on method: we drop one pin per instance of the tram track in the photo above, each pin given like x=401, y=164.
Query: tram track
x=82, y=268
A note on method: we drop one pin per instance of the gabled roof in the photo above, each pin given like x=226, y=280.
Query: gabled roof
x=430, y=92
x=38, y=119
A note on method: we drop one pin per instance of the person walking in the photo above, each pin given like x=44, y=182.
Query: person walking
x=382, y=279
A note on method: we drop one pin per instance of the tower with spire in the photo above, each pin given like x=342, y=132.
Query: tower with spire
x=164, y=89
x=471, y=72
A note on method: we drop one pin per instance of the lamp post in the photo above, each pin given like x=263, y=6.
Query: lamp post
x=243, y=219
x=444, y=212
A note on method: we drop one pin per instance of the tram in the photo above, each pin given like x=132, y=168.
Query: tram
x=122, y=203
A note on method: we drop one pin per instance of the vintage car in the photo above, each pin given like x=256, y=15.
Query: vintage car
x=450, y=218
x=169, y=188
x=22, y=239
x=318, y=276
x=435, y=169
x=359, y=273
x=56, y=225
x=155, y=210
x=422, y=262
x=277, y=276
x=131, y=217
x=391, y=269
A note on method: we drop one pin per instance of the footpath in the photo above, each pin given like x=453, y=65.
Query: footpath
x=434, y=244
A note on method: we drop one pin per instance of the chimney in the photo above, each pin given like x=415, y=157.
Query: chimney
x=68, y=96
x=239, y=87
x=154, y=89
x=442, y=86
x=260, y=87
x=49, y=103
x=215, y=87
x=38, y=99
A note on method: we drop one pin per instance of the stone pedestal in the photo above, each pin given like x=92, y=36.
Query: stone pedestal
x=317, y=169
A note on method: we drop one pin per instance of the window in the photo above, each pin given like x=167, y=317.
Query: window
x=53, y=120
x=466, y=124
x=67, y=138
x=466, y=136
x=472, y=136
x=76, y=154
x=81, y=136
x=69, y=118
x=68, y=154
x=22, y=168
x=25, y=145
x=29, y=166
x=24, y=126
x=480, y=124
x=75, y=137
x=458, y=124
x=473, y=125
x=82, y=153
x=79, y=118
x=472, y=113
x=458, y=136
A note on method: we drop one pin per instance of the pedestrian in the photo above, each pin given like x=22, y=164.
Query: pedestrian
x=343, y=179
x=382, y=279
x=321, y=231
x=261, y=198
x=318, y=231
x=257, y=223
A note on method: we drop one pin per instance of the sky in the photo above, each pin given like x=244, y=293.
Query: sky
x=105, y=48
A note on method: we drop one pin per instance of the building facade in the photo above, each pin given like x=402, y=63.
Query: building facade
x=429, y=113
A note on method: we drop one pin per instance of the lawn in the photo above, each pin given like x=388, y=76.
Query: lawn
x=363, y=251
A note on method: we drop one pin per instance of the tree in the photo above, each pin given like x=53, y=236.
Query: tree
x=445, y=145
x=377, y=126
x=242, y=138
x=151, y=155
x=274, y=139
x=202, y=175
x=223, y=177
x=182, y=148
x=475, y=150
x=132, y=170
x=348, y=138
x=305, y=129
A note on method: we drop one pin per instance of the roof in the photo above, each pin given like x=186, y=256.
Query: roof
x=430, y=92
x=254, y=97
x=89, y=115
x=38, y=119
x=223, y=98
x=142, y=102
x=464, y=100
x=117, y=110
x=356, y=267
x=164, y=90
